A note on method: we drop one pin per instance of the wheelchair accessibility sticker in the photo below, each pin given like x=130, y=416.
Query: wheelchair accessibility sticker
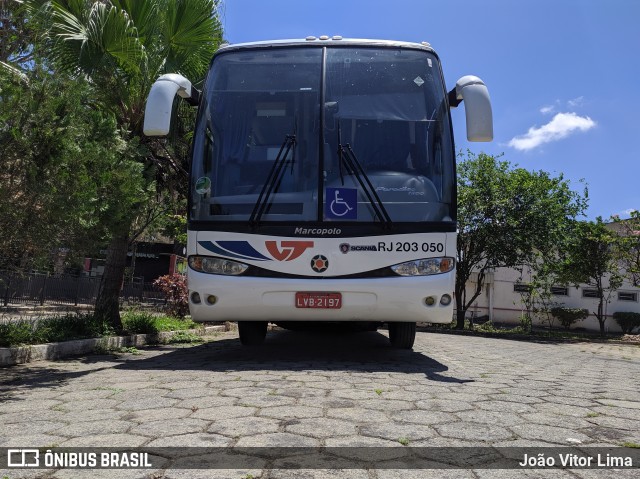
x=341, y=203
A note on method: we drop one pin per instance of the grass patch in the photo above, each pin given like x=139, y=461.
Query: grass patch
x=184, y=337
x=537, y=334
x=404, y=441
x=127, y=350
x=144, y=322
x=52, y=329
x=113, y=390
x=378, y=391
x=71, y=326
x=634, y=445
x=167, y=323
x=593, y=414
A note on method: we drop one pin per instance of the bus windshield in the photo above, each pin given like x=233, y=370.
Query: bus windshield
x=297, y=134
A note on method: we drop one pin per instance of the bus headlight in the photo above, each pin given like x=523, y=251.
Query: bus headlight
x=424, y=267
x=207, y=264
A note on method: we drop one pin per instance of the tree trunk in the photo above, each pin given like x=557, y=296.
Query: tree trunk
x=108, y=301
x=460, y=297
x=601, y=318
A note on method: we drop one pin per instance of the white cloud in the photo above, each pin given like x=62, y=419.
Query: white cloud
x=626, y=213
x=545, y=110
x=576, y=102
x=561, y=126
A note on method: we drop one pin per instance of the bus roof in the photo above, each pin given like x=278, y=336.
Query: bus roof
x=327, y=41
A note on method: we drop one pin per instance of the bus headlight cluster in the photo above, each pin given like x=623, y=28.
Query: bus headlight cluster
x=424, y=267
x=207, y=264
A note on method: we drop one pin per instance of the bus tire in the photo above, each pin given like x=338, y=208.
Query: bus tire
x=402, y=335
x=252, y=333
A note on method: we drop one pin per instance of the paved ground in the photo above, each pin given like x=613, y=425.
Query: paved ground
x=311, y=390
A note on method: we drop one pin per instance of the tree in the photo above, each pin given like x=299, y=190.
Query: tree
x=18, y=33
x=507, y=217
x=122, y=46
x=538, y=298
x=593, y=259
x=629, y=230
x=59, y=156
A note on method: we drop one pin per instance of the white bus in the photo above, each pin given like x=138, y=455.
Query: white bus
x=323, y=183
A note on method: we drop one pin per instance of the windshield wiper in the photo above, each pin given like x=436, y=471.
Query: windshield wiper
x=273, y=180
x=347, y=157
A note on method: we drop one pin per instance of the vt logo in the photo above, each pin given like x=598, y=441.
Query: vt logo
x=289, y=250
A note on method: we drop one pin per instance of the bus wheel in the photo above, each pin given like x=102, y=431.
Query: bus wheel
x=252, y=333
x=402, y=335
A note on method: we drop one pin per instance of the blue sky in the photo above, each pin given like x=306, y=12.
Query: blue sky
x=563, y=75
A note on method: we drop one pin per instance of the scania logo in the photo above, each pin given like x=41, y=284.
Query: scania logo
x=344, y=248
x=319, y=263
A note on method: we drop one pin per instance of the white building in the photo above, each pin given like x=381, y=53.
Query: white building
x=502, y=301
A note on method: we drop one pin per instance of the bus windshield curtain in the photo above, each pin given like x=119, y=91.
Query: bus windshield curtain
x=234, y=108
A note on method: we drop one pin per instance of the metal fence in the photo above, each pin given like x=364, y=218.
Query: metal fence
x=42, y=288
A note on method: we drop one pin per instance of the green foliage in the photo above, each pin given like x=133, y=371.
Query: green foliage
x=525, y=323
x=144, y=322
x=52, y=329
x=176, y=227
x=628, y=321
x=569, y=316
x=18, y=31
x=168, y=323
x=121, y=47
x=592, y=258
x=139, y=322
x=174, y=289
x=629, y=251
x=52, y=145
x=15, y=333
x=80, y=326
x=507, y=217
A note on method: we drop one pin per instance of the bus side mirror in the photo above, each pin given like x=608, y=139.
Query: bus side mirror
x=477, y=106
x=157, y=112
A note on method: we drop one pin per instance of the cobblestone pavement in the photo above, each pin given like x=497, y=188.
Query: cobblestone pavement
x=301, y=389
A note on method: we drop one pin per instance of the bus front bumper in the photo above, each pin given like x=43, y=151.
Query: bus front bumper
x=230, y=298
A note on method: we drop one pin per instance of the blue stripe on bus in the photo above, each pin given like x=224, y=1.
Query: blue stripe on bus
x=234, y=249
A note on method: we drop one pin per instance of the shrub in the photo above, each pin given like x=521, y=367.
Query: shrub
x=627, y=321
x=525, y=323
x=174, y=289
x=15, y=333
x=52, y=329
x=139, y=322
x=568, y=316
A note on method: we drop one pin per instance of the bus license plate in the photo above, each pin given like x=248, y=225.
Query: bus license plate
x=319, y=300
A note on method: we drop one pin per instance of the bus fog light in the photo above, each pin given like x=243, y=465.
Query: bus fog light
x=211, y=299
x=195, y=297
x=445, y=300
x=430, y=301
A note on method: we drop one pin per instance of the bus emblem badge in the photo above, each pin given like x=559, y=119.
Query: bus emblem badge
x=344, y=248
x=319, y=263
x=289, y=250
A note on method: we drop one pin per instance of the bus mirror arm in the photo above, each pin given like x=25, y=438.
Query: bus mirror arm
x=477, y=104
x=157, y=114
